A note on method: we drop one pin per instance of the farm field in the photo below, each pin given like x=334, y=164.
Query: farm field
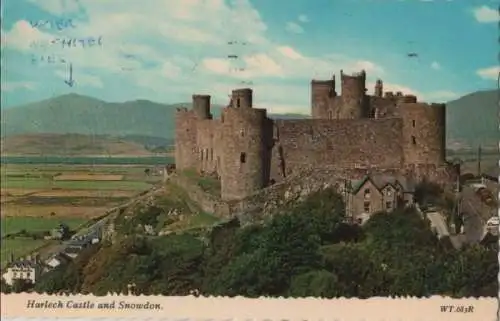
x=20, y=247
x=38, y=197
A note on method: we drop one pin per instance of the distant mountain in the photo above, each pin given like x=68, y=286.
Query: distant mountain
x=141, y=121
x=89, y=116
x=471, y=119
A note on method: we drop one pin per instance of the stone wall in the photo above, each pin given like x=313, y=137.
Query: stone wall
x=301, y=144
x=207, y=202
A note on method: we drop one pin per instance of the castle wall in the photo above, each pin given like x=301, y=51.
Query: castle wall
x=201, y=106
x=424, y=132
x=245, y=145
x=207, y=151
x=354, y=100
x=362, y=143
x=186, y=155
x=322, y=92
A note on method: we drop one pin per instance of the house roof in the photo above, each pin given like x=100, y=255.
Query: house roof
x=61, y=257
x=23, y=264
x=380, y=181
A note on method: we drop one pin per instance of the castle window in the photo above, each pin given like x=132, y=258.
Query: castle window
x=206, y=154
x=201, y=154
x=413, y=140
x=211, y=154
x=242, y=133
x=413, y=123
x=388, y=205
x=330, y=114
x=367, y=193
x=243, y=158
x=237, y=102
x=366, y=206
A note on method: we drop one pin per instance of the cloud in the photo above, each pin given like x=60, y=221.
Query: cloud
x=435, y=65
x=16, y=85
x=81, y=79
x=167, y=49
x=485, y=14
x=289, y=52
x=489, y=73
x=440, y=96
x=303, y=18
x=294, y=27
x=58, y=7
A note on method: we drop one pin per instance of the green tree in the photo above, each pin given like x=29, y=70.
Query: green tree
x=319, y=283
x=427, y=193
x=21, y=285
x=4, y=287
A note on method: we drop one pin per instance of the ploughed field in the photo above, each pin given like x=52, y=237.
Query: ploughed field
x=36, y=198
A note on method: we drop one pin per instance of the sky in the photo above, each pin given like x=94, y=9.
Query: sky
x=167, y=50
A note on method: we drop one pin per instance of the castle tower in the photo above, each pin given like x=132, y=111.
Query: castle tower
x=424, y=133
x=379, y=88
x=244, y=150
x=242, y=98
x=354, y=99
x=185, y=139
x=201, y=106
x=322, y=91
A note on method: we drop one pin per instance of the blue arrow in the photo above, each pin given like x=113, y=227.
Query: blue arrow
x=70, y=82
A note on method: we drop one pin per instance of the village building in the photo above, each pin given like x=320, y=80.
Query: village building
x=28, y=269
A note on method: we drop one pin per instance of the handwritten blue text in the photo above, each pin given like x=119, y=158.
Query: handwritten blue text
x=48, y=59
x=59, y=24
x=78, y=42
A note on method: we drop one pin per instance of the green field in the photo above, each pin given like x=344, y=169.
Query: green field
x=38, y=197
x=19, y=247
x=12, y=225
x=43, y=183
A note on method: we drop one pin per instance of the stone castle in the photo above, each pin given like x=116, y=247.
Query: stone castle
x=353, y=133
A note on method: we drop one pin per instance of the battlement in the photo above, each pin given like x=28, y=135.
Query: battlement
x=242, y=98
x=408, y=99
x=201, y=106
x=360, y=74
x=323, y=82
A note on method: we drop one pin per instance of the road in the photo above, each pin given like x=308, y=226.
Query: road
x=475, y=215
x=95, y=230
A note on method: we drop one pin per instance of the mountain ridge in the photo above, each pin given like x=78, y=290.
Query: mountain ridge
x=78, y=114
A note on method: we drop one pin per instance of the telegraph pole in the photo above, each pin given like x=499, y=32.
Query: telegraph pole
x=458, y=191
x=479, y=152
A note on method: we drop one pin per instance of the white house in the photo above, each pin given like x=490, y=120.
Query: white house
x=28, y=269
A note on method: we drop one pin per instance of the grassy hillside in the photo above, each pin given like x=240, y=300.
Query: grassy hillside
x=471, y=120
x=71, y=145
x=307, y=252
